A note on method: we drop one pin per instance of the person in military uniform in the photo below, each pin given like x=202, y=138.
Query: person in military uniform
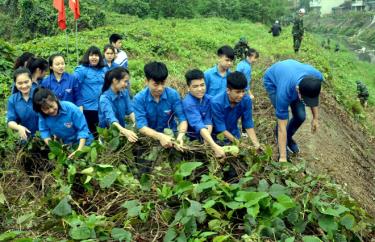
x=241, y=48
x=362, y=92
x=298, y=30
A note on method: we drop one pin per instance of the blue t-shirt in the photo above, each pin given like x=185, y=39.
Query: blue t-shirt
x=21, y=111
x=108, y=68
x=114, y=65
x=226, y=118
x=114, y=107
x=215, y=83
x=198, y=114
x=69, y=125
x=66, y=89
x=245, y=67
x=90, y=83
x=158, y=115
x=282, y=78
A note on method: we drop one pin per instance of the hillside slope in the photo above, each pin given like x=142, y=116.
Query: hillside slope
x=193, y=43
x=100, y=195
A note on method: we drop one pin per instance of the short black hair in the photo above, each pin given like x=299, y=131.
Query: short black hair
x=194, y=74
x=227, y=51
x=156, y=71
x=108, y=46
x=236, y=80
x=34, y=63
x=23, y=59
x=41, y=96
x=92, y=50
x=252, y=52
x=114, y=38
x=116, y=73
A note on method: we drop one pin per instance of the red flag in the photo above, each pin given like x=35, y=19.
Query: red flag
x=74, y=6
x=61, y=19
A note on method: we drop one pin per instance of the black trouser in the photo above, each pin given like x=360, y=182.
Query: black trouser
x=92, y=119
x=297, y=39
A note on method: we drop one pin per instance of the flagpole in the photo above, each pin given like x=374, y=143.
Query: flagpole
x=67, y=46
x=76, y=41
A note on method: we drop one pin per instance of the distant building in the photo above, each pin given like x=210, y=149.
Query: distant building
x=355, y=5
x=358, y=5
x=325, y=6
x=370, y=4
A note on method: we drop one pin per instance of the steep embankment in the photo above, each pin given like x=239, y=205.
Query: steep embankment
x=107, y=198
x=341, y=150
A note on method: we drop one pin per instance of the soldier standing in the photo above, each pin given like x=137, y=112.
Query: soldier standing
x=298, y=30
x=241, y=48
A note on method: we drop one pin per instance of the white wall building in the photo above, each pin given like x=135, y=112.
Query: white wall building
x=325, y=6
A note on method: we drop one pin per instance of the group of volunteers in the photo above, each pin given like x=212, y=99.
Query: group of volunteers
x=69, y=107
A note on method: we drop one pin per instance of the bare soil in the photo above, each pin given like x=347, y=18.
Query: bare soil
x=340, y=149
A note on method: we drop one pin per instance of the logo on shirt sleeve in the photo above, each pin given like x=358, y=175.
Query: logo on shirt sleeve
x=68, y=90
x=68, y=124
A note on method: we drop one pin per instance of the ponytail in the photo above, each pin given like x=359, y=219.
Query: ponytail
x=117, y=73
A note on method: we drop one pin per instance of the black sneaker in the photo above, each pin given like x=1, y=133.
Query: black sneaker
x=292, y=147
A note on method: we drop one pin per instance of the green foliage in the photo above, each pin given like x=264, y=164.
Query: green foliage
x=100, y=195
x=138, y=8
x=7, y=56
x=254, y=10
x=30, y=19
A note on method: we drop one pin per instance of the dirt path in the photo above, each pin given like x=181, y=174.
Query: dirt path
x=341, y=150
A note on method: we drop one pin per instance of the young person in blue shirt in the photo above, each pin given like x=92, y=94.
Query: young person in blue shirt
x=38, y=68
x=196, y=105
x=294, y=84
x=216, y=77
x=157, y=106
x=60, y=119
x=115, y=103
x=229, y=106
x=90, y=75
x=109, y=57
x=62, y=84
x=20, y=115
x=244, y=67
x=121, y=57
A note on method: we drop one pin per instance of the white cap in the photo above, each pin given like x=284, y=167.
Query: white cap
x=302, y=10
x=277, y=21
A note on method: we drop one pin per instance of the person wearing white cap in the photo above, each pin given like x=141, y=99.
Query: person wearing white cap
x=275, y=29
x=298, y=30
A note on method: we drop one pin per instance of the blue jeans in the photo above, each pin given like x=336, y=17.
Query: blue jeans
x=298, y=115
